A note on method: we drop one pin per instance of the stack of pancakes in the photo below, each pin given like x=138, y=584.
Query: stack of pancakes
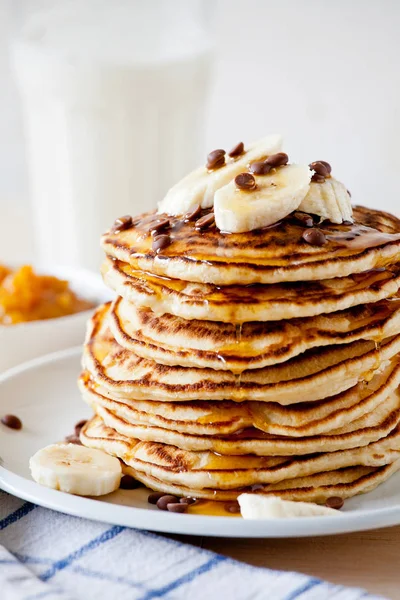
x=249, y=362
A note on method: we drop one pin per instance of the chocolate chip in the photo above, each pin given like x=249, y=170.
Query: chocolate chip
x=304, y=219
x=319, y=168
x=245, y=181
x=318, y=178
x=260, y=167
x=159, y=225
x=187, y=500
x=215, y=159
x=277, y=160
x=236, y=150
x=73, y=439
x=348, y=223
x=256, y=487
x=129, y=483
x=349, y=193
x=160, y=242
x=154, y=497
x=193, y=214
x=326, y=165
x=165, y=500
x=12, y=422
x=232, y=507
x=314, y=236
x=79, y=426
x=122, y=223
x=177, y=507
x=205, y=221
x=334, y=502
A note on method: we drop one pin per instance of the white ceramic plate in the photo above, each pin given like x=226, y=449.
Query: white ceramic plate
x=43, y=393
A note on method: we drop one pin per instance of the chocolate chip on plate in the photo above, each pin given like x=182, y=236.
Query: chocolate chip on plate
x=260, y=167
x=129, y=483
x=12, y=422
x=205, y=221
x=160, y=242
x=334, y=502
x=314, y=236
x=177, y=507
x=236, y=150
x=122, y=223
x=154, y=497
x=245, y=181
x=215, y=159
x=277, y=160
x=232, y=507
x=165, y=500
x=187, y=500
x=193, y=214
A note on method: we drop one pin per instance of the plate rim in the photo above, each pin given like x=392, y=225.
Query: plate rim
x=154, y=520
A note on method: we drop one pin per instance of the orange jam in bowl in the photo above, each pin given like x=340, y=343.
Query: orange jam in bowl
x=29, y=296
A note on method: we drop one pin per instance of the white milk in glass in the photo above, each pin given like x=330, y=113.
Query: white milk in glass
x=114, y=97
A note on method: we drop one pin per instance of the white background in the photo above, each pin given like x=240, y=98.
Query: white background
x=324, y=73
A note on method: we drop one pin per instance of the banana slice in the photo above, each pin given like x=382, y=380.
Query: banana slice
x=199, y=186
x=277, y=195
x=255, y=506
x=329, y=200
x=76, y=470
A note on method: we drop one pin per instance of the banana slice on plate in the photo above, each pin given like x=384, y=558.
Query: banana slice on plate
x=199, y=186
x=274, y=197
x=329, y=200
x=255, y=506
x=76, y=470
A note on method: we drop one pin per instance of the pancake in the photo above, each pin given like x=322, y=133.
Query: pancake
x=254, y=441
x=251, y=362
x=312, y=376
x=240, y=304
x=274, y=254
x=171, y=340
x=344, y=483
x=206, y=469
x=224, y=417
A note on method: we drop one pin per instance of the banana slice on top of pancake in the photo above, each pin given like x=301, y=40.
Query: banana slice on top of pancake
x=328, y=199
x=251, y=202
x=199, y=186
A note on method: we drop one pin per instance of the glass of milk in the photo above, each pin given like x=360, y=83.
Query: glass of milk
x=114, y=97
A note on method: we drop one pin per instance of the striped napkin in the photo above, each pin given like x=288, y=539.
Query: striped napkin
x=48, y=555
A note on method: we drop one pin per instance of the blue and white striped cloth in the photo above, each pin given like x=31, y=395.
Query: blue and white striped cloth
x=48, y=555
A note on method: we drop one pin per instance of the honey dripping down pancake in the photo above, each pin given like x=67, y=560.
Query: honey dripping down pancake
x=203, y=418
x=313, y=375
x=172, y=340
x=239, y=304
x=274, y=255
x=210, y=470
x=254, y=341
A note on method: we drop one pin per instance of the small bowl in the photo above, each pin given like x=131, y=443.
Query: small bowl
x=24, y=341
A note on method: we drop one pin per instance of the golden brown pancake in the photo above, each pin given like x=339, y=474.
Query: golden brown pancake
x=344, y=483
x=239, y=304
x=275, y=254
x=312, y=376
x=171, y=340
x=209, y=472
x=207, y=418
